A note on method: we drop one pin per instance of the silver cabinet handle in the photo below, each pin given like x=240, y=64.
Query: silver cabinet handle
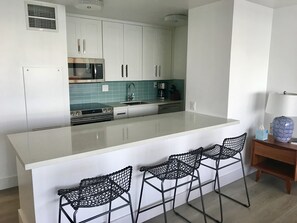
x=156, y=70
x=122, y=70
x=84, y=46
x=126, y=70
x=78, y=45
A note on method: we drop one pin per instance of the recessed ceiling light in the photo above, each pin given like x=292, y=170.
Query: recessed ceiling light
x=89, y=4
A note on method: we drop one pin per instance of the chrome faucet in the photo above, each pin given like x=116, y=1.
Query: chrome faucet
x=130, y=94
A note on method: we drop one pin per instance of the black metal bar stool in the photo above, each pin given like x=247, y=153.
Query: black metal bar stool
x=97, y=191
x=178, y=166
x=228, y=150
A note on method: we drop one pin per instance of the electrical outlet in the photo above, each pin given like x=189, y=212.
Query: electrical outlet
x=193, y=105
x=155, y=84
x=105, y=88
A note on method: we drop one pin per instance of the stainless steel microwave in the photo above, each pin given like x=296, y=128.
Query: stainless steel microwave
x=85, y=70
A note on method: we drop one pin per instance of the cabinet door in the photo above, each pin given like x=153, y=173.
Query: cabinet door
x=91, y=38
x=113, y=49
x=84, y=38
x=163, y=53
x=73, y=37
x=142, y=110
x=120, y=112
x=156, y=53
x=133, y=52
x=149, y=66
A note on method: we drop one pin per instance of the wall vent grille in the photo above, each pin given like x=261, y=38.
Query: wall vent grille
x=41, y=17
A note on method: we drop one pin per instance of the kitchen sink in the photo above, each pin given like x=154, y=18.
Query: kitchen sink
x=133, y=102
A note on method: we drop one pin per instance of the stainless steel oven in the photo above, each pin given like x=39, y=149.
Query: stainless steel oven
x=90, y=113
x=85, y=70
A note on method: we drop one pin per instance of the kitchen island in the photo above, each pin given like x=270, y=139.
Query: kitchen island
x=59, y=158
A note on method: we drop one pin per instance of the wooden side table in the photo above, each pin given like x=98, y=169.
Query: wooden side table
x=275, y=158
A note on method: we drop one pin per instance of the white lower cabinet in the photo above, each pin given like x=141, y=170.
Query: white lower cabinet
x=120, y=112
x=142, y=110
x=135, y=111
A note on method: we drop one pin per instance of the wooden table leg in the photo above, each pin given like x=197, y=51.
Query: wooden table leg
x=288, y=186
x=258, y=174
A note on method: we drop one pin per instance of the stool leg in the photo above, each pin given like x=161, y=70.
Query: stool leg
x=246, y=190
x=219, y=189
x=109, y=212
x=140, y=197
x=217, y=169
x=163, y=201
x=74, y=216
x=201, y=196
x=131, y=210
x=190, y=189
x=174, y=194
x=60, y=206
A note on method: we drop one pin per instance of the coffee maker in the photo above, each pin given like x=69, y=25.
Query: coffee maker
x=161, y=90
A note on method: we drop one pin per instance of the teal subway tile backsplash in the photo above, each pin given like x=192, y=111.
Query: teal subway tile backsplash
x=92, y=92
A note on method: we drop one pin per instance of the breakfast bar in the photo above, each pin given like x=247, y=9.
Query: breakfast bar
x=48, y=160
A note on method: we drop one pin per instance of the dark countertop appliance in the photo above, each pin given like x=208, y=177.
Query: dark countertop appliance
x=162, y=91
x=90, y=113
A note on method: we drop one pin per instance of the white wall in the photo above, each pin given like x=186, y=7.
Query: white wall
x=282, y=65
x=209, y=42
x=251, y=35
x=228, y=55
x=179, y=60
x=12, y=110
x=20, y=47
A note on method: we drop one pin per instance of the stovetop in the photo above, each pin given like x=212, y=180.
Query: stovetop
x=87, y=106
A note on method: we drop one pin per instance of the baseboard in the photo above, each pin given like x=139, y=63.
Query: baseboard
x=181, y=198
x=8, y=182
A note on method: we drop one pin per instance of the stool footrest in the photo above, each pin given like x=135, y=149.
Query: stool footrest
x=230, y=198
x=178, y=214
x=209, y=216
x=155, y=205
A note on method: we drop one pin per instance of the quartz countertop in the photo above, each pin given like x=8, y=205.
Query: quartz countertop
x=159, y=102
x=48, y=147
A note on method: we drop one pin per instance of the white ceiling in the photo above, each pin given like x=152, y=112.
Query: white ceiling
x=152, y=11
x=275, y=3
x=144, y=11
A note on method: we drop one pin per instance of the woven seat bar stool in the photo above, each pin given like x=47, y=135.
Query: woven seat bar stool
x=97, y=191
x=177, y=167
x=228, y=150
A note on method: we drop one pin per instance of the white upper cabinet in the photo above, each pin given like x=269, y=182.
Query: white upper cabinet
x=84, y=37
x=122, y=51
x=133, y=51
x=156, y=53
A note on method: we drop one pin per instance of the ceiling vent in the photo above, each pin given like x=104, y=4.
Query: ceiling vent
x=90, y=5
x=41, y=17
x=176, y=19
